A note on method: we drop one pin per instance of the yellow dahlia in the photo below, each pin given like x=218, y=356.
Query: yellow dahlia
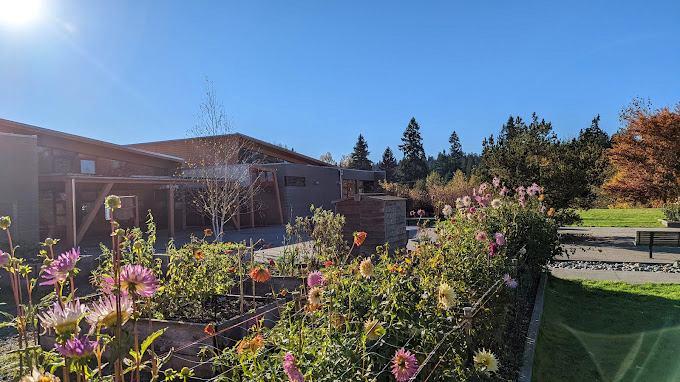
x=373, y=329
x=315, y=295
x=446, y=296
x=366, y=267
x=485, y=361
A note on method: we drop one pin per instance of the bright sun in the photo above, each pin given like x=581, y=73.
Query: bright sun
x=19, y=11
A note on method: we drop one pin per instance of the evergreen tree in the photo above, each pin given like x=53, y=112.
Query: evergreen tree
x=442, y=165
x=455, y=154
x=414, y=165
x=359, y=157
x=389, y=165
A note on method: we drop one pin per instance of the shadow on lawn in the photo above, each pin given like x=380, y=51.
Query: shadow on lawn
x=609, y=331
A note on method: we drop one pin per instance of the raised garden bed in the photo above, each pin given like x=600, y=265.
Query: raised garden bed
x=186, y=339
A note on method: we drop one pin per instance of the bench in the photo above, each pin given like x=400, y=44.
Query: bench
x=657, y=237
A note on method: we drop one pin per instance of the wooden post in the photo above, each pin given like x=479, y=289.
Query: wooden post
x=252, y=260
x=136, y=211
x=240, y=277
x=70, y=201
x=252, y=212
x=89, y=218
x=278, y=197
x=171, y=211
x=184, y=209
x=651, y=243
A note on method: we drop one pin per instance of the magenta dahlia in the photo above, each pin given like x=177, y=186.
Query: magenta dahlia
x=77, y=348
x=404, y=365
x=294, y=375
x=315, y=278
x=61, y=267
x=138, y=279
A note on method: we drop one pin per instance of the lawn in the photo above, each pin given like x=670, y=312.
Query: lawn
x=634, y=217
x=608, y=331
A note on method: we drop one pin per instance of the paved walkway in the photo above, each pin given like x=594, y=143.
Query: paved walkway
x=614, y=244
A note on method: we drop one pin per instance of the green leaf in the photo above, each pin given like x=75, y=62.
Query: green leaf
x=147, y=342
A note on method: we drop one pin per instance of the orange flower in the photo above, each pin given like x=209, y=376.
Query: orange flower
x=551, y=212
x=359, y=238
x=209, y=329
x=251, y=346
x=260, y=274
x=198, y=254
x=208, y=232
x=541, y=197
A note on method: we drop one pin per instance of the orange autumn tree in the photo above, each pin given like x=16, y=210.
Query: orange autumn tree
x=646, y=154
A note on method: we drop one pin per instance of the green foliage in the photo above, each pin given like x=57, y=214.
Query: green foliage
x=571, y=171
x=197, y=272
x=324, y=229
x=413, y=166
x=402, y=292
x=672, y=211
x=358, y=159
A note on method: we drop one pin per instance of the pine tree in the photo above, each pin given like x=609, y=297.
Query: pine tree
x=359, y=157
x=455, y=154
x=389, y=165
x=414, y=165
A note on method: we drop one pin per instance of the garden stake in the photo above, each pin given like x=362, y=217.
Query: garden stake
x=467, y=315
x=240, y=277
x=252, y=260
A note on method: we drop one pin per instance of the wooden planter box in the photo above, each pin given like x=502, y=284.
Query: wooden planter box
x=278, y=283
x=179, y=334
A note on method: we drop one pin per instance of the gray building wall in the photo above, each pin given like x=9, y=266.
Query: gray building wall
x=322, y=185
x=19, y=187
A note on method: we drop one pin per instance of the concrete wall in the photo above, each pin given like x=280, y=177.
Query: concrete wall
x=19, y=187
x=322, y=186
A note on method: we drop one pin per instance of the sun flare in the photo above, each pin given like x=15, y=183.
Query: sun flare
x=19, y=12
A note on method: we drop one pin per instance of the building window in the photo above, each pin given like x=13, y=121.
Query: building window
x=349, y=187
x=86, y=166
x=295, y=181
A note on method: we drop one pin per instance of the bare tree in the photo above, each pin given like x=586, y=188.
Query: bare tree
x=224, y=166
x=328, y=158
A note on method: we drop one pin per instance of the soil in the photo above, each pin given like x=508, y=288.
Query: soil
x=221, y=309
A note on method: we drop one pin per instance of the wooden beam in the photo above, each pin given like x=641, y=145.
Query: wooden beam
x=69, y=200
x=136, y=211
x=171, y=211
x=93, y=212
x=252, y=211
x=278, y=198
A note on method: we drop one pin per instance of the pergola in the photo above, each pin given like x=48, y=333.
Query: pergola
x=76, y=232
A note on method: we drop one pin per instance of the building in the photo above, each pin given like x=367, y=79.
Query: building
x=300, y=181
x=59, y=182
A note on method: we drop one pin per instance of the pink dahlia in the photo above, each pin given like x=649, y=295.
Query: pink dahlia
x=136, y=278
x=496, y=182
x=77, y=348
x=500, y=239
x=520, y=191
x=315, y=278
x=493, y=248
x=504, y=191
x=522, y=201
x=291, y=369
x=404, y=365
x=481, y=236
x=61, y=267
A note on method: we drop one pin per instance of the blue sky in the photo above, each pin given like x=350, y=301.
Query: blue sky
x=315, y=74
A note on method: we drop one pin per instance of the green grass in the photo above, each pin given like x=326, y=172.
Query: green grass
x=608, y=331
x=634, y=217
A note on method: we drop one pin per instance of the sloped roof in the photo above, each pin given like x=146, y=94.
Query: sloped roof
x=180, y=145
x=89, y=146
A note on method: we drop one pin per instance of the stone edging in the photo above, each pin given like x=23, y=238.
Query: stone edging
x=532, y=334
